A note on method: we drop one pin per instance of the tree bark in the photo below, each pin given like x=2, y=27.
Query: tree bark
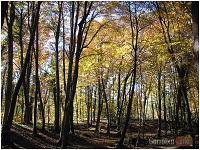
x=94, y=105
x=118, y=97
x=87, y=98
x=57, y=112
x=100, y=105
x=164, y=108
x=107, y=109
x=41, y=106
x=28, y=100
x=159, y=104
x=3, y=84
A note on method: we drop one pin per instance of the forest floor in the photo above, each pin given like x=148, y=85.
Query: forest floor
x=84, y=138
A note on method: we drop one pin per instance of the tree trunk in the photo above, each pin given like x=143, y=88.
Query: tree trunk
x=36, y=82
x=71, y=118
x=64, y=76
x=35, y=109
x=2, y=85
x=129, y=106
x=28, y=100
x=164, y=108
x=87, y=98
x=152, y=107
x=184, y=90
x=91, y=106
x=41, y=106
x=94, y=105
x=107, y=109
x=100, y=106
x=159, y=104
x=65, y=122
x=118, y=98
x=57, y=116
x=25, y=85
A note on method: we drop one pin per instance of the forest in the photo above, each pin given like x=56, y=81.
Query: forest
x=102, y=74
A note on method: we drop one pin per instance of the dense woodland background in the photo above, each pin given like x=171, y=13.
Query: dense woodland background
x=102, y=64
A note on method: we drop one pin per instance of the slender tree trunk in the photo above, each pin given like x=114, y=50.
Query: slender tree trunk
x=91, y=106
x=77, y=110
x=35, y=109
x=123, y=96
x=3, y=84
x=94, y=105
x=152, y=107
x=118, y=98
x=159, y=104
x=28, y=103
x=129, y=106
x=107, y=109
x=26, y=81
x=41, y=106
x=36, y=82
x=184, y=90
x=64, y=76
x=165, y=110
x=26, y=89
x=57, y=116
x=65, y=122
x=88, y=98
x=100, y=106
x=71, y=118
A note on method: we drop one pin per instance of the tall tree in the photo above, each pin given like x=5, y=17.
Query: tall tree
x=159, y=102
x=36, y=84
x=57, y=104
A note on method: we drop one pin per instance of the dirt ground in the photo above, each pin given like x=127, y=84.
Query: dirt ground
x=84, y=138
